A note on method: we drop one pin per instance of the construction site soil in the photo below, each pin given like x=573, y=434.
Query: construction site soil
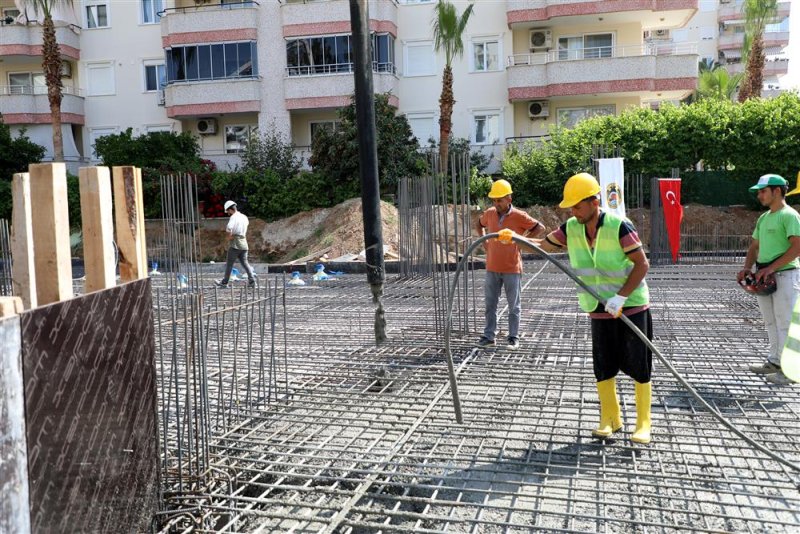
x=337, y=231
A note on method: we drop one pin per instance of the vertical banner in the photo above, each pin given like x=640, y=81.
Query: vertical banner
x=790, y=357
x=673, y=212
x=612, y=183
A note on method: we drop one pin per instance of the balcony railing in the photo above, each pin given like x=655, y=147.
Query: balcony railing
x=336, y=68
x=37, y=90
x=211, y=6
x=603, y=52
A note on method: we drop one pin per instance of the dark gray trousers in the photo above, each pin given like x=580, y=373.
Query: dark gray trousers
x=241, y=255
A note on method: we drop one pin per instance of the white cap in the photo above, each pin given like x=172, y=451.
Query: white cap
x=229, y=204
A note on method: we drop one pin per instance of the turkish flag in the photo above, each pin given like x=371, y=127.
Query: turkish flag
x=673, y=212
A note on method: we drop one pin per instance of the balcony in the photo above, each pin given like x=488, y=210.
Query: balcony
x=26, y=40
x=732, y=11
x=736, y=40
x=212, y=97
x=651, y=13
x=206, y=23
x=771, y=68
x=318, y=17
x=25, y=104
x=306, y=90
x=624, y=69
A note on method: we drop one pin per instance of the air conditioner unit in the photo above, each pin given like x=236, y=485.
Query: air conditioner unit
x=540, y=39
x=538, y=109
x=657, y=35
x=66, y=69
x=207, y=126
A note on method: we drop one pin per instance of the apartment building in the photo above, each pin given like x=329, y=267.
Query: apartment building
x=226, y=69
x=718, y=28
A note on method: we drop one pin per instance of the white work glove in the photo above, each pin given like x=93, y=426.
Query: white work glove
x=505, y=236
x=614, y=305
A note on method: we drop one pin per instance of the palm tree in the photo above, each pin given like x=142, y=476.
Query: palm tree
x=757, y=14
x=448, y=29
x=718, y=84
x=51, y=65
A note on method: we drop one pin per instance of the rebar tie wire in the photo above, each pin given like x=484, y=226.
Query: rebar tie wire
x=569, y=272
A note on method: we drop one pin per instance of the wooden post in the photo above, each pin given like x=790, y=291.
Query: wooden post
x=129, y=216
x=23, y=271
x=52, y=260
x=10, y=306
x=98, y=228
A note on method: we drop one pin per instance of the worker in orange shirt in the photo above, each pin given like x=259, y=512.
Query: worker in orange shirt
x=504, y=261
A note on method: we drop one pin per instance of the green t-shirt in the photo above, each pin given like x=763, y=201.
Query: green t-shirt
x=773, y=231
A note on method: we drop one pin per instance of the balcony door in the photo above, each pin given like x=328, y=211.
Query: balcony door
x=590, y=46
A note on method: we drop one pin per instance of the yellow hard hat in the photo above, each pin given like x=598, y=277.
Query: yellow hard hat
x=796, y=190
x=578, y=187
x=500, y=189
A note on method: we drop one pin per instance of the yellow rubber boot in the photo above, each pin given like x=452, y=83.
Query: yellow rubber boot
x=610, y=420
x=643, y=399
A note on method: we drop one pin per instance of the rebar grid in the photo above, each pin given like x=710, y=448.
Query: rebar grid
x=365, y=439
x=6, y=289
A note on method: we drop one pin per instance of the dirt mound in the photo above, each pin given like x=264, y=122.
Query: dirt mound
x=333, y=231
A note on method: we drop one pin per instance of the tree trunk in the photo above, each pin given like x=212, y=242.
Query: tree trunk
x=51, y=64
x=446, y=103
x=754, y=71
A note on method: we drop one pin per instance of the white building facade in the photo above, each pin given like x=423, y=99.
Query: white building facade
x=225, y=70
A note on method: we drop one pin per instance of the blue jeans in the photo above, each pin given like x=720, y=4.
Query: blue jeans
x=491, y=287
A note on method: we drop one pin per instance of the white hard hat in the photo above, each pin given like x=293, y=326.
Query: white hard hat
x=229, y=204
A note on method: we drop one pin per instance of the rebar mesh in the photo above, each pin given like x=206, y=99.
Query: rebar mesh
x=6, y=289
x=365, y=440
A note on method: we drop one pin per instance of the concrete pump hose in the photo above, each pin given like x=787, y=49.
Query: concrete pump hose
x=569, y=272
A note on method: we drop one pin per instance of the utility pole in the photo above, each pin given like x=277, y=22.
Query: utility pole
x=368, y=159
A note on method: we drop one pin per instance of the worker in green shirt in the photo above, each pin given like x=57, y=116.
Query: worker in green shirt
x=773, y=251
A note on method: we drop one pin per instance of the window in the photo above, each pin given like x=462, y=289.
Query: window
x=235, y=4
x=212, y=62
x=150, y=11
x=330, y=126
x=96, y=15
x=708, y=33
x=95, y=134
x=155, y=76
x=486, y=55
x=27, y=83
x=486, y=127
x=9, y=12
x=100, y=78
x=424, y=127
x=419, y=59
x=150, y=128
x=782, y=26
x=332, y=54
x=594, y=46
x=237, y=137
x=569, y=117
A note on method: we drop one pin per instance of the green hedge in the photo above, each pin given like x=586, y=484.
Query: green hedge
x=746, y=140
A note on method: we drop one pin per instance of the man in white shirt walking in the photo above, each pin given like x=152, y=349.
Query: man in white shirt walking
x=237, y=232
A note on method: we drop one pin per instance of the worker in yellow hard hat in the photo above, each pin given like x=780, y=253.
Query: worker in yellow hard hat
x=605, y=251
x=503, y=261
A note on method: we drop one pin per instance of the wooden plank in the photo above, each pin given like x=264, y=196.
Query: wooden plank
x=52, y=260
x=98, y=228
x=129, y=217
x=23, y=271
x=10, y=306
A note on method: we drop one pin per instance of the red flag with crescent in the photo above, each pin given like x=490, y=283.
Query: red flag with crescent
x=673, y=212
